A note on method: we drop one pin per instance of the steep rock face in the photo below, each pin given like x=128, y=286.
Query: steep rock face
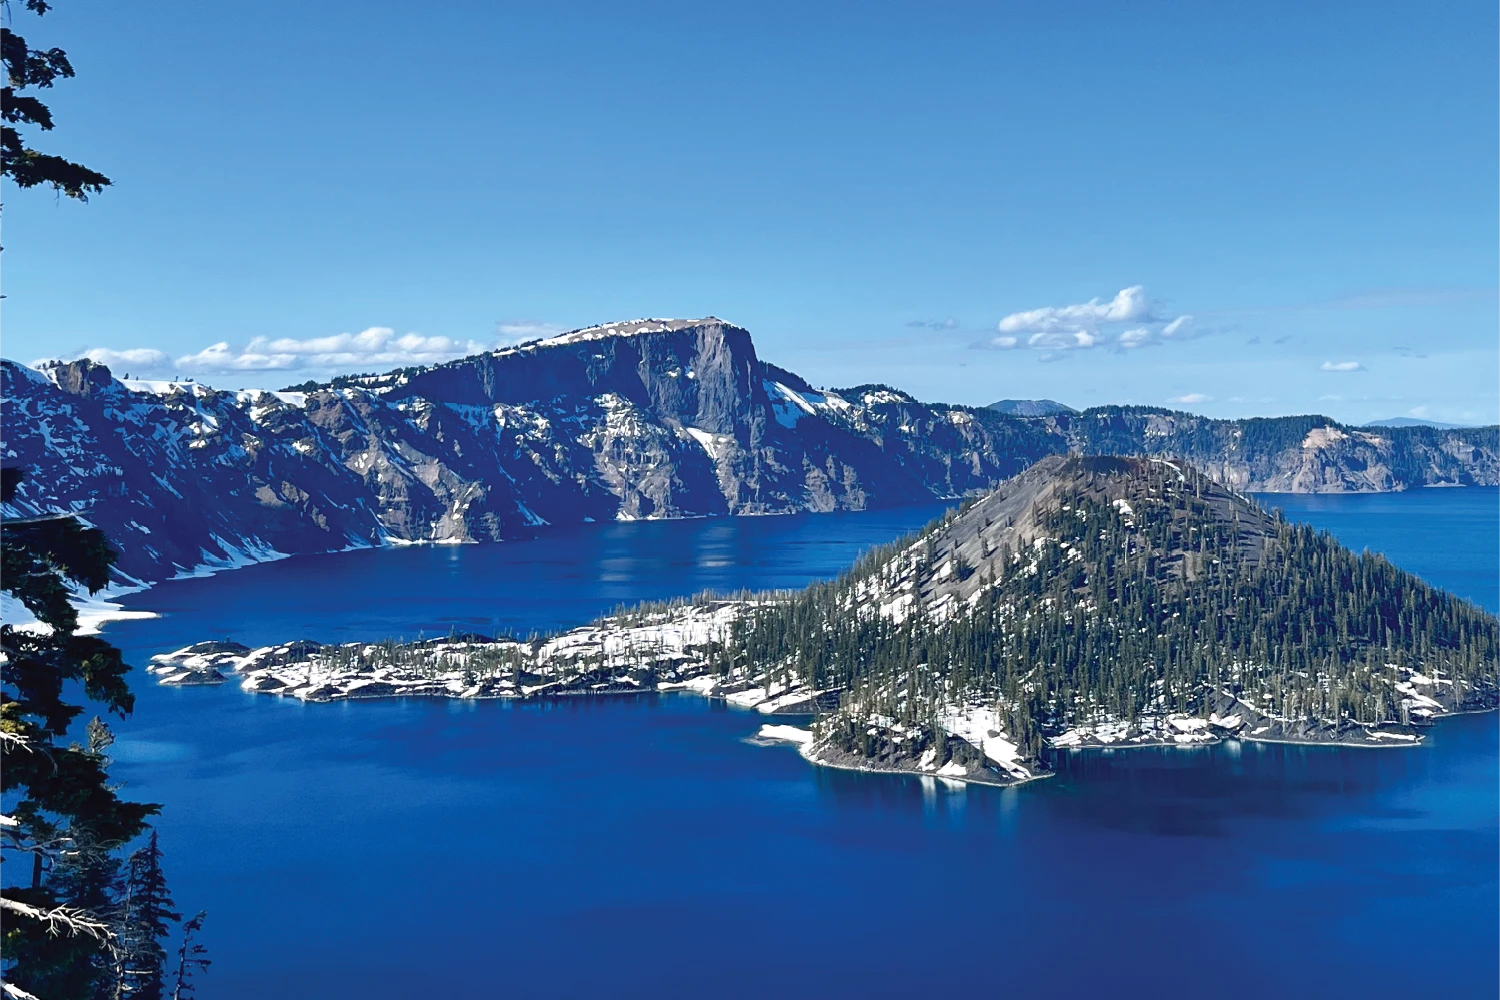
x=681, y=420
x=631, y=421
x=178, y=480
x=1304, y=454
x=952, y=450
x=648, y=419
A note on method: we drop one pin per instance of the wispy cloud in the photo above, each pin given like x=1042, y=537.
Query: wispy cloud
x=147, y=358
x=1091, y=324
x=1341, y=366
x=1191, y=398
x=376, y=347
x=934, y=324
x=1145, y=336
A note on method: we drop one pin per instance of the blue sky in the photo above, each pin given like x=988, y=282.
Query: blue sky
x=873, y=190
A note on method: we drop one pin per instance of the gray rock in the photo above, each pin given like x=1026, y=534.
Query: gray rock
x=648, y=419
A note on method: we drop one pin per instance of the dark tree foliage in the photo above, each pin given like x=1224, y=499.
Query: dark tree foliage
x=191, y=958
x=1171, y=609
x=26, y=69
x=66, y=817
x=146, y=909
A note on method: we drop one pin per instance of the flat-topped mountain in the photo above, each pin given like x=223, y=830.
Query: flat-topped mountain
x=645, y=419
x=667, y=420
x=1030, y=407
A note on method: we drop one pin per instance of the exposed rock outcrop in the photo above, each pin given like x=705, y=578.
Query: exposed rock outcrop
x=648, y=419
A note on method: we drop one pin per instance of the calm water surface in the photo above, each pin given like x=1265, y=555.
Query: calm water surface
x=642, y=848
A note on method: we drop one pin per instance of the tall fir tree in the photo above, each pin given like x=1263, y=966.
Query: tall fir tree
x=191, y=958
x=146, y=908
x=65, y=818
x=29, y=69
x=66, y=822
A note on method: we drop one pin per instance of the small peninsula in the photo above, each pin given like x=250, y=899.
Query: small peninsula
x=1088, y=602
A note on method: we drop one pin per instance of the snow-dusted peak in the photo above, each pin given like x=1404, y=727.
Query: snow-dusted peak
x=255, y=397
x=165, y=387
x=628, y=328
x=33, y=373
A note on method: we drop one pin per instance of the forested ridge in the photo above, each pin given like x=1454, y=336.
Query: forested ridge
x=1128, y=588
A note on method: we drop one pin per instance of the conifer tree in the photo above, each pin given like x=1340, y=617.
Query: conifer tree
x=66, y=823
x=146, y=909
x=25, y=69
x=190, y=958
x=65, y=818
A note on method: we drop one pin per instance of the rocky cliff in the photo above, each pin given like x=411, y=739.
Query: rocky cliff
x=646, y=419
x=1302, y=454
x=618, y=422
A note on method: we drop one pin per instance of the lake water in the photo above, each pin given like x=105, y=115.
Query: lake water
x=642, y=848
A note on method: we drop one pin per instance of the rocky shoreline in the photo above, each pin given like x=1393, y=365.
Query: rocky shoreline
x=672, y=650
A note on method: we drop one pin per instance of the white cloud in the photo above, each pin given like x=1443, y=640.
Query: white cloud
x=141, y=359
x=146, y=357
x=1341, y=366
x=145, y=360
x=1062, y=340
x=1177, y=327
x=222, y=358
x=1145, y=336
x=376, y=347
x=1128, y=306
x=1092, y=324
x=1191, y=398
x=1420, y=412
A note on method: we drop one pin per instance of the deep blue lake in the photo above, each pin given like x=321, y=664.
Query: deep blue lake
x=642, y=848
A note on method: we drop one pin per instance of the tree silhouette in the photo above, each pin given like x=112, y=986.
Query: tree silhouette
x=28, y=69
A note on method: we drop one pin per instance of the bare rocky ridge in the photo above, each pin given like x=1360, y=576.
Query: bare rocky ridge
x=647, y=419
x=1302, y=454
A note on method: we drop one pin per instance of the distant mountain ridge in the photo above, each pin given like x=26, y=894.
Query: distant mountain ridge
x=647, y=419
x=1030, y=407
x=1413, y=422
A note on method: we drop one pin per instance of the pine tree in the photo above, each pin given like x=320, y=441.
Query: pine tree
x=190, y=958
x=26, y=68
x=146, y=909
x=65, y=815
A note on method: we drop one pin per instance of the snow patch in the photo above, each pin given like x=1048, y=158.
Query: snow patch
x=787, y=734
